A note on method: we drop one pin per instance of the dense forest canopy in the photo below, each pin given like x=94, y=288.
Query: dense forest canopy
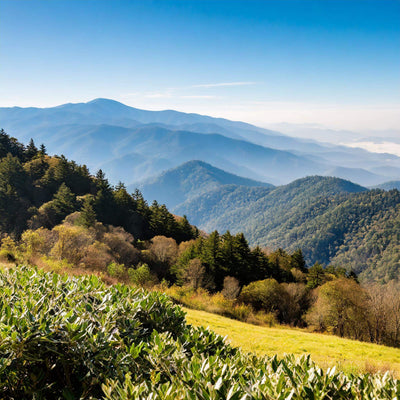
x=41, y=190
x=333, y=221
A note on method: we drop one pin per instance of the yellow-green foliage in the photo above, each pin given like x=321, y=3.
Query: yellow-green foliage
x=141, y=276
x=32, y=241
x=116, y=270
x=8, y=250
x=71, y=243
x=326, y=350
x=200, y=299
x=59, y=266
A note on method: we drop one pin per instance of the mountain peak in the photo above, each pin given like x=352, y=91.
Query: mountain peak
x=104, y=101
x=191, y=179
x=327, y=185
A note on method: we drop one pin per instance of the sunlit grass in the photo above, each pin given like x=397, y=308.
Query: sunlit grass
x=326, y=350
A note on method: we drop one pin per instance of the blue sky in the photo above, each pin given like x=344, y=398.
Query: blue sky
x=332, y=62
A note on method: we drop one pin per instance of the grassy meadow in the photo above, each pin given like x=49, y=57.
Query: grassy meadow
x=326, y=350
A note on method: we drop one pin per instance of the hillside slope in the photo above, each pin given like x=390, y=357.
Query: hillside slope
x=330, y=219
x=327, y=350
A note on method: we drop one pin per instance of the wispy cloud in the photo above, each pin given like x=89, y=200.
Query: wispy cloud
x=222, y=84
x=384, y=147
x=168, y=95
x=179, y=92
x=198, y=97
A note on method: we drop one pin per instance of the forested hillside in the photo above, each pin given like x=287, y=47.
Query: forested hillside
x=333, y=221
x=54, y=209
x=38, y=190
x=389, y=185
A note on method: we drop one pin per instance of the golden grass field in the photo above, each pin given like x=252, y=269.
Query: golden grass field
x=326, y=350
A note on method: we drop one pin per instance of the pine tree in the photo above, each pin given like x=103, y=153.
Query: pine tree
x=42, y=151
x=298, y=261
x=104, y=204
x=242, y=265
x=13, y=174
x=87, y=217
x=31, y=151
x=316, y=276
x=212, y=251
x=64, y=201
x=186, y=231
x=10, y=145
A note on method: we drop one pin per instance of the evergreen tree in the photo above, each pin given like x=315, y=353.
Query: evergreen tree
x=298, y=261
x=13, y=174
x=261, y=268
x=10, y=145
x=64, y=201
x=227, y=253
x=185, y=230
x=162, y=222
x=242, y=258
x=316, y=276
x=212, y=258
x=87, y=216
x=104, y=204
x=123, y=200
x=42, y=151
x=126, y=214
x=54, y=211
x=31, y=151
x=141, y=203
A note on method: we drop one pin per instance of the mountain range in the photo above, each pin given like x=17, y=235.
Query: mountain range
x=134, y=145
x=332, y=220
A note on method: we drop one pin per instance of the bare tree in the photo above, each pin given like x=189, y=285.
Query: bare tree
x=163, y=249
x=378, y=312
x=195, y=273
x=393, y=306
x=231, y=287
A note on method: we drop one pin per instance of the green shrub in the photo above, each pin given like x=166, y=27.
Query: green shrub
x=266, y=295
x=63, y=336
x=116, y=270
x=141, y=276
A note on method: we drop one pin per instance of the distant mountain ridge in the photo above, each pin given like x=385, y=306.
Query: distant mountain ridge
x=106, y=134
x=389, y=185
